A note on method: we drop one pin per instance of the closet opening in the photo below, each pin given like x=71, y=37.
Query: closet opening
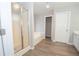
x=48, y=28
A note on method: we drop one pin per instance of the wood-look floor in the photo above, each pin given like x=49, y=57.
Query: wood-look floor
x=48, y=48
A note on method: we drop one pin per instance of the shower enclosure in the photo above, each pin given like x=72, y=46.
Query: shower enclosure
x=20, y=27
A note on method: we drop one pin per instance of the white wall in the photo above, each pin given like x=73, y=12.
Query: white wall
x=39, y=24
x=74, y=21
x=6, y=23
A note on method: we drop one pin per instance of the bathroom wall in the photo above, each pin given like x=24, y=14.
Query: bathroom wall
x=39, y=23
x=6, y=23
x=74, y=20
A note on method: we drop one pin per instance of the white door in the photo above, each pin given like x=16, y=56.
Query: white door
x=62, y=26
x=1, y=46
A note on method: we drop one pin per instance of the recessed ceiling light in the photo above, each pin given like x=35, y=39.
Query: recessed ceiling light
x=16, y=6
x=47, y=5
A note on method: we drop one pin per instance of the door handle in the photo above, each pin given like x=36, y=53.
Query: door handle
x=2, y=32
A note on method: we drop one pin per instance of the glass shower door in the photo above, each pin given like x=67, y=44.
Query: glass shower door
x=20, y=28
x=16, y=17
x=24, y=27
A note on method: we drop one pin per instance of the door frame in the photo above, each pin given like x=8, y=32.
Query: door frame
x=2, y=53
x=1, y=47
x=6, y=24
x=52, y=26
x=67, y=26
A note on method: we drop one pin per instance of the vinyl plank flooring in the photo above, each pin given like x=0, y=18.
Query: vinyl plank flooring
x=49, y=48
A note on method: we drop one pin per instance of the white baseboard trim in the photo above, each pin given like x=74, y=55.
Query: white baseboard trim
x=20, y=53
x=63, y=42
x=38, y=40
x=48, y=35
x=70, y=43
x=32, y=48
x=54, y=40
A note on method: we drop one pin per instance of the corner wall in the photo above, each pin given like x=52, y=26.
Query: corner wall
x=74, y=21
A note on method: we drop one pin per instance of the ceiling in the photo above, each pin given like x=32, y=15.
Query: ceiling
x=40, y=7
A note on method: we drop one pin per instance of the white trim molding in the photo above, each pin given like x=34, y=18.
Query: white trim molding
x=63, y=42
x=20, y=53
x=52, y=27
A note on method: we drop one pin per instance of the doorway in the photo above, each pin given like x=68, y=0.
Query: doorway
x=1, y=41
x=48, y=27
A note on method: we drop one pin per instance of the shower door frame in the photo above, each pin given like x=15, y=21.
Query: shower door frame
x=24, y=50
